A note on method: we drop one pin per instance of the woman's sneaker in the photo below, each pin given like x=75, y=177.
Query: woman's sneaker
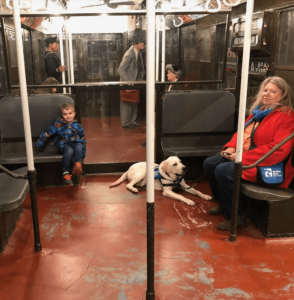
x=77, y=168
x=67, y=179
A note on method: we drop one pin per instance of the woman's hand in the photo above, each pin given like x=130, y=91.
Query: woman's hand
x=229, y=154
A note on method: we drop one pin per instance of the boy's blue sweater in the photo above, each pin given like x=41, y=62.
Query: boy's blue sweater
x=64, y=133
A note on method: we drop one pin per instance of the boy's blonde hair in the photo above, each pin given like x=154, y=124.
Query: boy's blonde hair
x=66, y=106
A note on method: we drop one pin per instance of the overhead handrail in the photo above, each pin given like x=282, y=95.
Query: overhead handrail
x=24, y=176
x=213, y=9
x=220, y=6
x=231, y=4
x=21, y=4
x=181, y=23
x=285, y=140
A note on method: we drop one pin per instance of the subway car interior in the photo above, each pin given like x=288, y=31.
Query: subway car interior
x=87, y=234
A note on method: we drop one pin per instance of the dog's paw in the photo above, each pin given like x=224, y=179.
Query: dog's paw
x=207, y=197
x=131, y=188
x=190, y=202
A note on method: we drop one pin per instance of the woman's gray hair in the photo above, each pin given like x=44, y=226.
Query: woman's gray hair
x=286, y=100
x=174, y=69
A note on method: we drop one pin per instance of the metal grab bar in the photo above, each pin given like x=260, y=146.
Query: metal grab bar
x=270, y=152
x=25, y=176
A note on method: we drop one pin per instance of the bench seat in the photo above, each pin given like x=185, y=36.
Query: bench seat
x=48, y=155
x=12, y=195
x=13, y=191
x=193, y=145
x=43, y=109
x=196, y=123
x=271, y=210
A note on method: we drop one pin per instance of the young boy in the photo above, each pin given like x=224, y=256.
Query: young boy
x=69, y=138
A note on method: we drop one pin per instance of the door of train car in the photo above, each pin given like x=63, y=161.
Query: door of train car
x=98, y=57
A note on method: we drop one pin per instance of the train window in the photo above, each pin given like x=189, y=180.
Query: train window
x=11, y=47
x=285, y=55
x=192, y=44
x=205, y=45
x=184, y=41
x=3, y=87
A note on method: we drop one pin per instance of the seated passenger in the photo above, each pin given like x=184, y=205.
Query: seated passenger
x=69, y=138
x=271, y=120
x=49, y=80
x=173, y=75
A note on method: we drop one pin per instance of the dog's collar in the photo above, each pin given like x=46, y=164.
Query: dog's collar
x=175, y=182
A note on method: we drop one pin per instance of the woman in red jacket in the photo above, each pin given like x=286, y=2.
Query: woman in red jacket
x=271, y=120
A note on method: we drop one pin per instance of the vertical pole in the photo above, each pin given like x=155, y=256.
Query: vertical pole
x=62, y=58
x=150, y=95
x=157, y=47
x=26, y=122
x=163, y=50
x=72, y=77
x=67, y=54
x=241, y=120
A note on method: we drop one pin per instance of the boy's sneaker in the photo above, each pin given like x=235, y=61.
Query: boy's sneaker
x=77, y=168
x=67, y=179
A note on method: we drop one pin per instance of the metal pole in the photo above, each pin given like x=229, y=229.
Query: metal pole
x=62, y=58
x=242, y=110
x=26, y=122
x=157, y=48
x=150, y=95
x=163, y=50
x=67, y=55
x=72, y=77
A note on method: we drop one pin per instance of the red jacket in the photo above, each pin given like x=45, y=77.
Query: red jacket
x=273, y=129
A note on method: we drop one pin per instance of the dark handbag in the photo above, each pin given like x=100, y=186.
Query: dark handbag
x=133, y=96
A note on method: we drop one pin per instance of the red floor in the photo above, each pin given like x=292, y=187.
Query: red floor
x=105, y=136
x=94, y=247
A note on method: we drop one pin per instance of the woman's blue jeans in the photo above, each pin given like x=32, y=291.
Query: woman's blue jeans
x=71, y=152
x=220, y=175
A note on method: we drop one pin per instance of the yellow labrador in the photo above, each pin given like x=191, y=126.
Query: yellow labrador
x=169, y=176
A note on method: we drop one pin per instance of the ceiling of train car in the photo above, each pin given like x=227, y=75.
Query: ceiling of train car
x=44, y=24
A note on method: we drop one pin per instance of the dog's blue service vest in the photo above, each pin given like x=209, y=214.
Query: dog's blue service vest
x=157, y=174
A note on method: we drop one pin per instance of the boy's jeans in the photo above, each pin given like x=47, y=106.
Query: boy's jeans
x=71, y=152
x=220, y=175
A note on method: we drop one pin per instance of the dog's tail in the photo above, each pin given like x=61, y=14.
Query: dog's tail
x=120, y=180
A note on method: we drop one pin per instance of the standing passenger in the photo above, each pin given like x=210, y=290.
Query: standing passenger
x=52, y=61
x=131, y=69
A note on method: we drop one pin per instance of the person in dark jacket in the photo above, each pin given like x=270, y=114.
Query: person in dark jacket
x=52, y=61
x=131, y=68
x=69, y=138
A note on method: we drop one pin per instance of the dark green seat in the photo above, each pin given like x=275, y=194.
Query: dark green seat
x=196, y=123
x=12, y=195
x=271, y=210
